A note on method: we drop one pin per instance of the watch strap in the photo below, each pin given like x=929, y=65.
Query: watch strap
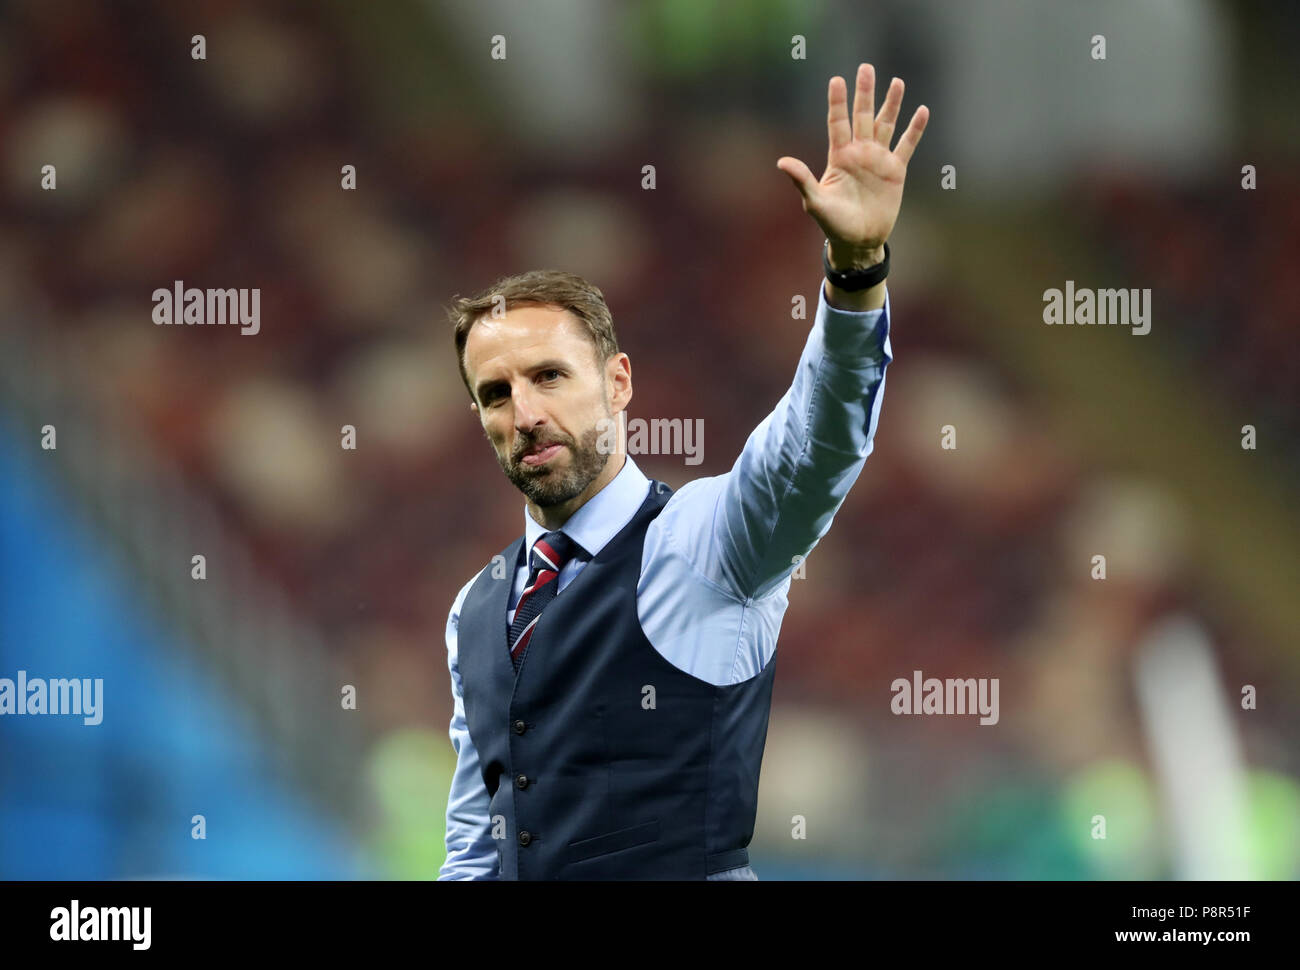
x=855, y=279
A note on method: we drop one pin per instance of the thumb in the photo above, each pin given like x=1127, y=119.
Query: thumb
x=799, y=174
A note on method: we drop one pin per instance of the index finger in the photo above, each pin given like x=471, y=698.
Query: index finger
x=907, y=144
x=837, y=115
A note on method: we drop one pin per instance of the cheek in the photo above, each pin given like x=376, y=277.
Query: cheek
x=495, y=431
x=597, y=408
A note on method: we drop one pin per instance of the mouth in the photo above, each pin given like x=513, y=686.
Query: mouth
x=541, y=455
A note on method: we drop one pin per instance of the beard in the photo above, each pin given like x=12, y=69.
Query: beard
x=547, y=485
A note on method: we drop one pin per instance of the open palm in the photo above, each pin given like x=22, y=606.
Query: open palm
x=856, y=202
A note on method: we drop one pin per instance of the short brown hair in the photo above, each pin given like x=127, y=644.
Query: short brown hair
x=549, y=287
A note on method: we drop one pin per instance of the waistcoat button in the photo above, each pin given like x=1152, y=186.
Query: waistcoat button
x=520, y=727
x=521, y=781
x=525, y=837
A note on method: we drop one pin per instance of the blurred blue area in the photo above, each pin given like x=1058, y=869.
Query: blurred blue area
x=115, y=800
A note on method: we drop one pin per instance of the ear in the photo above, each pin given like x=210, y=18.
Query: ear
x=618, y=372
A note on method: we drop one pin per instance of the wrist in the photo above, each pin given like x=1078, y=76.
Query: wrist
x=855, y=301
x=849, y=256
x=861, y=284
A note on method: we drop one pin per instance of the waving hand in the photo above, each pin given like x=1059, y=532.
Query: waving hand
x=857, y=199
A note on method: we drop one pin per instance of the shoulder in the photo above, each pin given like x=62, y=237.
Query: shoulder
x=695, y=501
x=453, y=617
x=459, y=601
x=451, y=636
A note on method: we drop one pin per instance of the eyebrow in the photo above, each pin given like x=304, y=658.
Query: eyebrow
x=550, y=364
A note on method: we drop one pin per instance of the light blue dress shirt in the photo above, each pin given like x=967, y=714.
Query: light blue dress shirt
x=717, y=562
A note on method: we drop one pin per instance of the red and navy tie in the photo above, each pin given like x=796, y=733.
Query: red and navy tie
x=547, y=558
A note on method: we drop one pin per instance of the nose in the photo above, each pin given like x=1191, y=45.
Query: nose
x=528, y=414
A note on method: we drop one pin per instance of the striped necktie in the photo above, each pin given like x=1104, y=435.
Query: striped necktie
x=548, y=556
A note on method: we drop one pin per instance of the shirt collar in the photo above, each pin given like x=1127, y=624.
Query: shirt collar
x=603, y=515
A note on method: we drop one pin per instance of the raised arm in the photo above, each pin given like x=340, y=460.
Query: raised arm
x=742, y=531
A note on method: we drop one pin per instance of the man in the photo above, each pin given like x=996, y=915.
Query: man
x=612, y=668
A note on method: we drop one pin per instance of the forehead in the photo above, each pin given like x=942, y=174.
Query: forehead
x=524, y=333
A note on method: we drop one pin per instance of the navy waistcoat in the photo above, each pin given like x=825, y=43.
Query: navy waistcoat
x=602, y=759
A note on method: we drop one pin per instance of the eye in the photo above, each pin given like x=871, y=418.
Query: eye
x=552, y=371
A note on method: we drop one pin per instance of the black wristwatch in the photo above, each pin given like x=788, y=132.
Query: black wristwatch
x=855, y=279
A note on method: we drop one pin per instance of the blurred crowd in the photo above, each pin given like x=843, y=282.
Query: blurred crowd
x=1222, y=253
